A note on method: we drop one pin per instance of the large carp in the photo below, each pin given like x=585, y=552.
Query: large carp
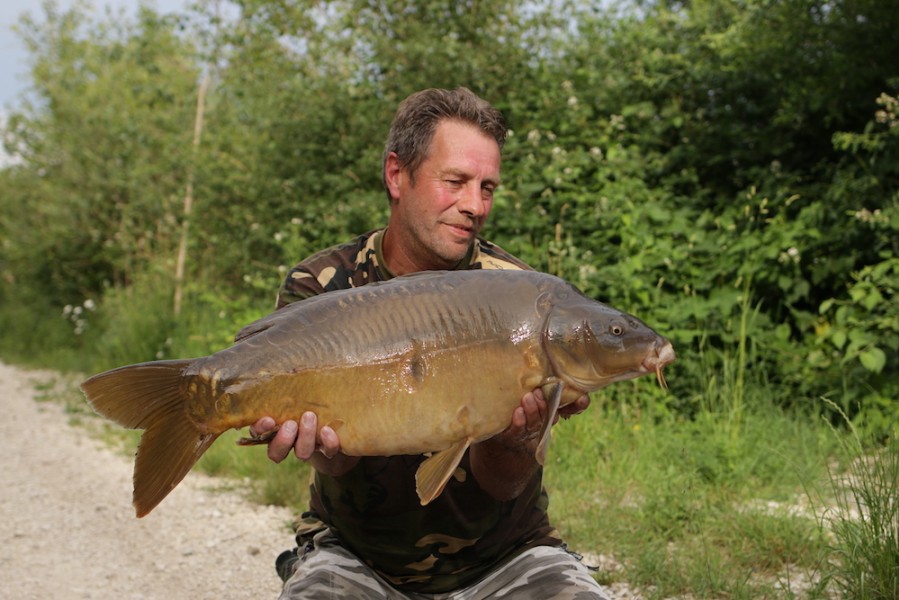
x=431, y=362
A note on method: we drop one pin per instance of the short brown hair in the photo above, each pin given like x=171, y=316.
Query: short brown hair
x=417, y=117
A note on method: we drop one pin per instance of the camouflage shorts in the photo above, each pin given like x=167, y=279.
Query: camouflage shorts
x=328, y=571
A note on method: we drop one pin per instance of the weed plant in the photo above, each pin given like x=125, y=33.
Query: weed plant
x=864, y=521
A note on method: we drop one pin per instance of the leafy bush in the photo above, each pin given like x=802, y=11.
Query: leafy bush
x=692, y=164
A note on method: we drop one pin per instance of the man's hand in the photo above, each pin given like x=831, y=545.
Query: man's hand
x=575, y=408
x=321, y=449
x=504, y=463
x=529, y=416
x=523, y=432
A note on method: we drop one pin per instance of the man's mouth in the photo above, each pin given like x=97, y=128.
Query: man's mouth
x=464, y=231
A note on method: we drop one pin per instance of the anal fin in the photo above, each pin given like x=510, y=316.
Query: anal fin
x=434, y=472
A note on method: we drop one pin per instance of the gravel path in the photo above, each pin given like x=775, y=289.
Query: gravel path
x=68, y=529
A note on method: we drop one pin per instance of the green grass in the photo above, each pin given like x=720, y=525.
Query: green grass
x=687, y=506
x=865, y=523
x=284, y=484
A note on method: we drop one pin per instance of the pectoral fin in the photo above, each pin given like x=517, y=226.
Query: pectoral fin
x=258, y=440
x=434, y=472
x=552, y=407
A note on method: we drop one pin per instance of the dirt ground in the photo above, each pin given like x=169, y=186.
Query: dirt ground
x=68, y=529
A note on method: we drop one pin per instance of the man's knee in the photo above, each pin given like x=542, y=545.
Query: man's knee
x=545, y=572
x=326, y=570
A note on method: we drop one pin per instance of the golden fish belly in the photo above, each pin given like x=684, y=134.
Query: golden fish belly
x=420, y=401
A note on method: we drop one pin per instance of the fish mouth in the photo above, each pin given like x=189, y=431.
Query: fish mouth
x=655, y=361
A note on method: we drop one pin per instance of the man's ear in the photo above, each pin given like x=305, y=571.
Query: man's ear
x=393, y=175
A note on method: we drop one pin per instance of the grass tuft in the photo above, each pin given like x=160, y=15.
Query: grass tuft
x=864, y=521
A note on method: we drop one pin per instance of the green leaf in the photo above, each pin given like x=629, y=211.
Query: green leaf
x=873, y=359
x=782, y=332
x=842, y=315
x=838, y=337
x=860, y=337
x=873, y=299
x=857, y=293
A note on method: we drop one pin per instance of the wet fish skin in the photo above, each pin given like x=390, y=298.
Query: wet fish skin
x=432, y=362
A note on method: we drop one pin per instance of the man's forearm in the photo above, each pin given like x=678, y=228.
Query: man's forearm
x=503, y=469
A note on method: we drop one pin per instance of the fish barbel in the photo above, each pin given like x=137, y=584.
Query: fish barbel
x=430, y=362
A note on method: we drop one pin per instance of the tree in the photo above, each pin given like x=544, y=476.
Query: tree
x=103, y=146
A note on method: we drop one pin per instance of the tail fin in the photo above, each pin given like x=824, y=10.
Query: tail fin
x=148, y=396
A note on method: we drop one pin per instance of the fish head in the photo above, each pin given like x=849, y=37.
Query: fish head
x=590, y=345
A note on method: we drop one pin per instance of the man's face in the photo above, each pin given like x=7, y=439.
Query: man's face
x=436, y=219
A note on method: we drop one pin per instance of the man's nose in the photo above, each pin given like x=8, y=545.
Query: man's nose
x=471, y=201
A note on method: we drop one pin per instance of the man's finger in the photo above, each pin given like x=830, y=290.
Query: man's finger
x=330, y=444
x=280, y=446
x=261, y=427
x=306, y=438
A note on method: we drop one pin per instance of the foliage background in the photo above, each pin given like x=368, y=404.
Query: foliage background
x=728, y=170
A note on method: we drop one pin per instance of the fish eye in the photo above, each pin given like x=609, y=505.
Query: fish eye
x=616, y=329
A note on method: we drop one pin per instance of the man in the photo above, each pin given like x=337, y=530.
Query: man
x=366, y=534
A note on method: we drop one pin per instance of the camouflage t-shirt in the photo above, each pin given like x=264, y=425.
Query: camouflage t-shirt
x=374, y=509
